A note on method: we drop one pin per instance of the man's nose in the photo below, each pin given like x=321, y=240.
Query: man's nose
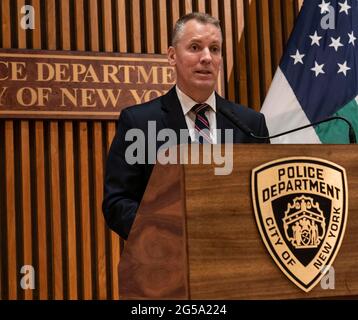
x=206, y=56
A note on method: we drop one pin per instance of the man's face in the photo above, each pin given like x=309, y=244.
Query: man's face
x=197, y=58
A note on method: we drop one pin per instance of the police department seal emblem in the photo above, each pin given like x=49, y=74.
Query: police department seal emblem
x=301, y=208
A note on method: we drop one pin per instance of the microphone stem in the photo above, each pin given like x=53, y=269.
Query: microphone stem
x=352, y=136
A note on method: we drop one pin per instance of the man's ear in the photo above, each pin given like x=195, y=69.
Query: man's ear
x=171, y=56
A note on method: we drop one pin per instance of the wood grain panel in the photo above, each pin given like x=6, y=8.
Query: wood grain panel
x=107, y=24
x=136, y=25
x=162, y=15
x=10, y=211
x=70, y=213
x=250, y=273
x=51, y=32
x=276, y=31
x=121, y=30
x=228, y=50
x=26, y=200
x=101, y=274
x=214, y=8
x=85, y=217
x=155, y=263
x=149, y=27
x=57, y=258
x=93, y=25
x=84, y=238
x=79, y=25
x=27, y=235
x=114, y=239
x=65, y=25
x=21, y=33
x=36, y=33
x=253, y=54
x=289, y=11
x=188, y=6
x=6, y=24
x=240, y=53
x=265, y=47
x=42, y=253
x=42, y=228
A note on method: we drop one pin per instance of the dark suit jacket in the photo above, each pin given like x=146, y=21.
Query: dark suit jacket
x=125, y=184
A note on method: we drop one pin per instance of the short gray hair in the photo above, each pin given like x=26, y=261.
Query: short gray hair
x=203, y=18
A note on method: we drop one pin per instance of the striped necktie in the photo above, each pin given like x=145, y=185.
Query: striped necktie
x=202, y=126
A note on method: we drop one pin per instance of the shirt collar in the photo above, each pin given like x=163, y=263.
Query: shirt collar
x=188, y=103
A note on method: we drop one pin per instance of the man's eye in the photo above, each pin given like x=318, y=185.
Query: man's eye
x=215, y=49
x=194, y=47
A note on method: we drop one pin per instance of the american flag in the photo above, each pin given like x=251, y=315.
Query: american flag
x=318, y=74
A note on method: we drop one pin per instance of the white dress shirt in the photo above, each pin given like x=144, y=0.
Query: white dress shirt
x=188, y=103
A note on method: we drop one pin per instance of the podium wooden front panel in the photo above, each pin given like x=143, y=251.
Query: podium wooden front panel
x=195, y=235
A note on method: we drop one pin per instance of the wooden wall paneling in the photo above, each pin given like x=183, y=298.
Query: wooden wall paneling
x=201, y=5
x=9, y=173
x=114, y=240
x=101, y=254
x=85, y=217
x=122, y=25
x=240, y=54
x=214, y=8
x=65, y=39
x=149, y=27
x=42, y=271
x=55, y=187
x=71, y=242
x=163, y=27
x=21, y=33
x=36, y=33
x=26, y=200
x=6, y=24
x=175, y=11
x=84, y=184
x=228, y=53
x=99, y=269
x=253, y=72
x=12, y=265
x=289, y=17
x=107, y=25
x=70, y=212
x=276, y=32
x=136, y=19
x=79, y=25
x=41, y=210
x=51, y=31
x=93, y=25
x=25, y=168
x=265, y=47
x=188, y=6
x=56, y=208
x=56, y=212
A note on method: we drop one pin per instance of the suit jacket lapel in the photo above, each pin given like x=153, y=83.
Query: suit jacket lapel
x=173, y=116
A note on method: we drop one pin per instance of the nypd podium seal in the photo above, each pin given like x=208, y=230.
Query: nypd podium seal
x=301, y=208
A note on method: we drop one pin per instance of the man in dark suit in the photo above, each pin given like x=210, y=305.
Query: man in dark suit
x=191, y=105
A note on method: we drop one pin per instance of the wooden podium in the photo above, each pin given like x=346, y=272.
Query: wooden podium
x=195, y=234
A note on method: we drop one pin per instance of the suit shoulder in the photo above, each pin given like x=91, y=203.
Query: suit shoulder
x=145, y=107
x=243, y=110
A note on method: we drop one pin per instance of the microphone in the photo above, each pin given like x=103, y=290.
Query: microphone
x=230, y=115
